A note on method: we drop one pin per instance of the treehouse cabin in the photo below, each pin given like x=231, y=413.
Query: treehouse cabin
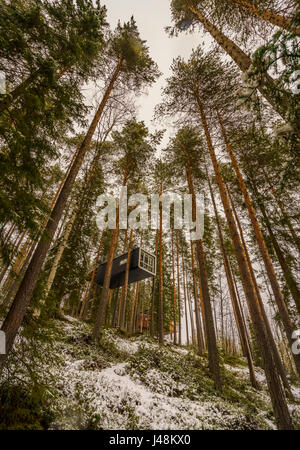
x=142, y=266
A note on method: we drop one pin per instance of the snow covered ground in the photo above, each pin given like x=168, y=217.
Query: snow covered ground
x=116, y=394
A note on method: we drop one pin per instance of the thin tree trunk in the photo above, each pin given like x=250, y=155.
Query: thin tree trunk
x=240, y=306
x=200, y=337
x=178, y=290
x=20, y=274
x=222, y=312
x=185, y=305
x=133, y=305
x=8, y=234
x=194, y=336
x=160, y=271
x=153, y=290
x=114, y=320
x=174, y=291
x=213, y=357
x=91, y=282
x=15, y=269
x=119, y=305
x=124, y=292
x=14, y=252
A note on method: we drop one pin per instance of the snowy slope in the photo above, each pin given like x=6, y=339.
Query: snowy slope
x=138, y=388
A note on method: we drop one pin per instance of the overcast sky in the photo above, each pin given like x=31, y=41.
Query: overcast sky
x=151, y=17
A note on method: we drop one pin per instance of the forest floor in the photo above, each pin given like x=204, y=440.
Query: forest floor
x=133, y=383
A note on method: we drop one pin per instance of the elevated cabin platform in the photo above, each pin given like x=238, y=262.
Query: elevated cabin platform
x=142, y=266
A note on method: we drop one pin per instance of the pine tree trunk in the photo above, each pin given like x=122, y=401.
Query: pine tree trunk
x=267, y=15
x=101, y=312
x=200, y=337
x=18, y=264
x=194, y=336
x=21, y=256
x=240, y=306
x=22, y=266
x=283, y=311
x=22, y=299
x=153, y=291
x=133, y=305
x=119, y=303
x=213, y=357
x=235, y=305
x=8, y=234
x=114, y=320
x=278, y=399
x=91, y=282
x=174, y=291
x=124, y=292
x=56, y=262
x=14, y=267
x=185, y=306
x=178, y=292
x=276, y=355
x=222, y=312
x=160, y=271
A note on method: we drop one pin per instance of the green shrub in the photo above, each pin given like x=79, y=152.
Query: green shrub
x=22, y=409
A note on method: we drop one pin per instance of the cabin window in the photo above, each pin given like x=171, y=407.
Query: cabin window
x=147, y=261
